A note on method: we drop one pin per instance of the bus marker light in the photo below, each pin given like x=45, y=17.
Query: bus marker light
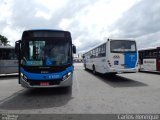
x=66, y=76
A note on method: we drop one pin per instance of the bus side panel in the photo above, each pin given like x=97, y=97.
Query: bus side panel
x=88, y=64
x=8, y=66
x=149, y=65
x=100, y=65
x=158, y=64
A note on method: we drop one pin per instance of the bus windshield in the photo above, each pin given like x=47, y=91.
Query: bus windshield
x=122, y=46
x=46, y=52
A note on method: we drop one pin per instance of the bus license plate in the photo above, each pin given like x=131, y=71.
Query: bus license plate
x=44, y=83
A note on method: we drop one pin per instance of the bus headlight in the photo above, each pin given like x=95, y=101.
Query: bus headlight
x=23, y=76
x=66, y=76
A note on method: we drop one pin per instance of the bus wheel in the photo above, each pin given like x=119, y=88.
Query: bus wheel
x=85, y=67
x=94, y=70
x=113, y=74
x=69, y=89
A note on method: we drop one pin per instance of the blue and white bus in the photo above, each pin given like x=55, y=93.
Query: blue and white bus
x=45, y=58
x=112, y=57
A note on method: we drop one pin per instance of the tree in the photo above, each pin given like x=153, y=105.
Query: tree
x=3, y=40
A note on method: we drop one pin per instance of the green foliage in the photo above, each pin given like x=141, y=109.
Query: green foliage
x=3, y=40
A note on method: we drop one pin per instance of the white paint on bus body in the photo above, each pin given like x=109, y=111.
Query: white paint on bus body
x=8, y=66
x=149, y=65
x=117, y=60
x=111, y=63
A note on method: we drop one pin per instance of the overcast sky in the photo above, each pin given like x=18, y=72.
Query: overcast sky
x=90, y=21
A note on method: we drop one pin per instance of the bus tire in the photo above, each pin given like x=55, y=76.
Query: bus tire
x=69, y=88
x=94, y=70
x=85, y=67
x=111, y=74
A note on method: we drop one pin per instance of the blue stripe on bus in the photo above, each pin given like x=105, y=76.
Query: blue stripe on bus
x=49, y=76
x=130, y=60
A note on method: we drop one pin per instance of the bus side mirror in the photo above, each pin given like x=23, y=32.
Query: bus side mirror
x=74, y=49
x=17, y=48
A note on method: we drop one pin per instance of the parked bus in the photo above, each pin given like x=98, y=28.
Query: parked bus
x=114, y=56
x=45, y=58
x=149, y=59
x=8, y=60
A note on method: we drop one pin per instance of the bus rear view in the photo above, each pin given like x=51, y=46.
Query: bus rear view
x=123, y=56
x=45, y=58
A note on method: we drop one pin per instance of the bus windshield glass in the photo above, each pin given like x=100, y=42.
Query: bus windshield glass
x=46, y=52
x=121, y=46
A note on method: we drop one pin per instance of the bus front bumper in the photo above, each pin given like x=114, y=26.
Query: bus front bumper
x=65, y=83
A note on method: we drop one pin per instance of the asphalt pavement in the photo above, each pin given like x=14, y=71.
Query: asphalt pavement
x=90, y=94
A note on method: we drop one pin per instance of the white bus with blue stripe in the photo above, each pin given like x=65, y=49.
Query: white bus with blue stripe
x=45, y=58
x=114, y=56
x=8, y=60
